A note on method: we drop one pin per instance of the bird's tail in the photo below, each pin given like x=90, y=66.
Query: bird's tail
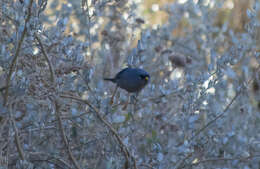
x=110, y=79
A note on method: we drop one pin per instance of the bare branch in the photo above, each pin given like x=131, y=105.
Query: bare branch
x=17, y=140
x=46, y=57
x=107, y=124
x=63, y=135
x=11, y=70
x=226, y=159
x=224, y=111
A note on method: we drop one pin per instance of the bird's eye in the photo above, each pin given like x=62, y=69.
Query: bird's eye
x=145, y=77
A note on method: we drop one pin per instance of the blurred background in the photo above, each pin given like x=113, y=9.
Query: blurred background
x=201, y=108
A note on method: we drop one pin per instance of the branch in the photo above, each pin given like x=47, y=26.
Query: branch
x=57, y=107
x=38, y=157
x=226, y=159
x=63, y=135
x=181, y=164
x=46, y=57
x=107, y=124
x=86, y=11
x=147, y=166
x=219, y=116
x=17, y=140
x=224, y=111
x=11, y=70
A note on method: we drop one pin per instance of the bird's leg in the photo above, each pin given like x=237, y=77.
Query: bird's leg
x=114, y=93
x=135, y=101
x=135, y=97
x=126, y=104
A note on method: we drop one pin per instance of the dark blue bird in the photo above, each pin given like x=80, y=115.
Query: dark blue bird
x=131, y=79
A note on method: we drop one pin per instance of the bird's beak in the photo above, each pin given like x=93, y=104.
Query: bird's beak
x=146, y=78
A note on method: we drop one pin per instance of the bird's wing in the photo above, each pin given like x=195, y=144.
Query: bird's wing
x=119, y=74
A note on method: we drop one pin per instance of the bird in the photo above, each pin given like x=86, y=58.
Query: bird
x=133, y=80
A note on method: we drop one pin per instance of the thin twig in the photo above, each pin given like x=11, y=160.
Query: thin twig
x=85, y=2
x=17, y=140
x=113, y=131
x=181, y=164
x=46, y=57
x=147, y=166
x=2, y=88
x=63, y=135
x=11, y=70
x=57, y=106
x=42, y=157
x=224, y=111
x=226, y=159
x=219, y=116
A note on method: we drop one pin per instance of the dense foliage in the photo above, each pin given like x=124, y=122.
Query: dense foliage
x=201, y=108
